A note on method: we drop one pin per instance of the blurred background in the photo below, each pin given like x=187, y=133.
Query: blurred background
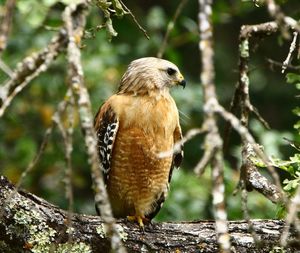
x=23, y=126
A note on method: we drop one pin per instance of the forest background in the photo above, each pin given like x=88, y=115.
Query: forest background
x=104, y=60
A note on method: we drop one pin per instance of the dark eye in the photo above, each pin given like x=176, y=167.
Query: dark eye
x=171, y=71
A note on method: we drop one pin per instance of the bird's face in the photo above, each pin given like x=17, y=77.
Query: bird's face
x=170, y=73
x=150, y=73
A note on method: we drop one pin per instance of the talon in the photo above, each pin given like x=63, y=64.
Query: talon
x=139, y=219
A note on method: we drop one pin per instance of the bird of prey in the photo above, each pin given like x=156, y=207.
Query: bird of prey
x=134, y=126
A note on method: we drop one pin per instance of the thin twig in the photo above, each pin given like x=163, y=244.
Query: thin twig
x=292, y=49
x=284, y=22
x=135, y=20
x=277, y=14
x=293, y=209
x=177, y=147
x=31, y=67
x=67, y=106
x=48, y=132
x=209, y=152
x=279, y=64
x=244, y=200
x=170, y=28
x=30, y=166
x=37, y=157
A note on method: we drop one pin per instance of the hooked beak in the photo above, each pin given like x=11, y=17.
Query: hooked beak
x=181, y=81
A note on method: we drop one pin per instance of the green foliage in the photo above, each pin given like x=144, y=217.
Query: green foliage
x=108, y=8
x=293, y=165
x=295, y=79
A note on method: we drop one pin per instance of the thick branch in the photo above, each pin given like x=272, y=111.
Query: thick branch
x=32, y=223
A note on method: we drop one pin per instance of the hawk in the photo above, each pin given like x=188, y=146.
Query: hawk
x=134, y=126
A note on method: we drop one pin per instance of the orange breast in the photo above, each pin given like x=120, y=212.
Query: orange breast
x=138, y=176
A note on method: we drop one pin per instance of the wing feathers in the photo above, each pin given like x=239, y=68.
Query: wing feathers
x=106, y=125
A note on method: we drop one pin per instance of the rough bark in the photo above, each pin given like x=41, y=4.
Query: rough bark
x=30, y=224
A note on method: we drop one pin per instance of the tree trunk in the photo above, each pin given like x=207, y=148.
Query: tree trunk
x=30, y=224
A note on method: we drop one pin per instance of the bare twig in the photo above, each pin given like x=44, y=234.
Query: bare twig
x=244, y=199
x=279, y=64
x=278, y=15
x=5, y=23
x=283, y=21
x=293, y=209
x=85, y=113
x=67, y=106
x=213, y=142
x=135, y=20
x=37, y=157
x=170, y=28
x=30, y=166
x=177, y=147
x=209, y=152
x=292, y=49
x=28, y=69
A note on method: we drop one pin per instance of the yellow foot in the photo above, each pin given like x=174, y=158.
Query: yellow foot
x=139, y=219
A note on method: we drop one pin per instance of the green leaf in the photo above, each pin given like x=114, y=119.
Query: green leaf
x=104, y=6
x=292, y=77
x=296, y=111
x=297, y=125
x=118, y=8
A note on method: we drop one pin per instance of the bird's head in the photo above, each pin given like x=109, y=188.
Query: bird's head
x=149, y=74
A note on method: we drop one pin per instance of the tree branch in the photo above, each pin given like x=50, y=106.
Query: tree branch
x=31, y=223
x=30, y=68
x=213, y=142
x=241, y=102
x=170, y=28
x=83, y=102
